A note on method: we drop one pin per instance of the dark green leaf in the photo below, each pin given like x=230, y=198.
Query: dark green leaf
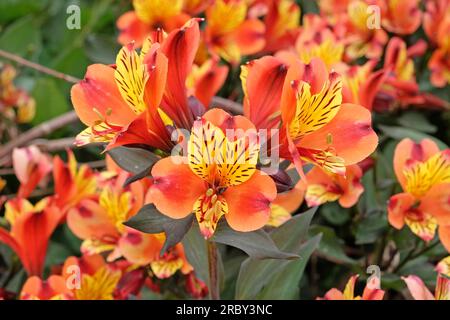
x=150, y=220
x=285, y=284
x=196, y=251
x=255, y=274
x=257, y=244
x=331, y=247
x=401, y=133
x=135, y=160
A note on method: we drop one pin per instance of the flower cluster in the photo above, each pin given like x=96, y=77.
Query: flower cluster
x=219, y=119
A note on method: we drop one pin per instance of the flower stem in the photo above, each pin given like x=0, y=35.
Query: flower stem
x=214, y=290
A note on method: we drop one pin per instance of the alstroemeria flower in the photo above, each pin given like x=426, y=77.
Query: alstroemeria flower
x=54, y=288
x=424, y=174
x=282, y=22
x=419, y=290
x=400, y=88
x=361, y=83
x=110, y=98
x=316, y=126
x=229, y=33
x=328, y=187
x=349, y=292
x=218, y=177
x=98, y=220
x=31, y=228
x=31, y=167
x=90, y=277
x=359, y=38
x=400, y=16
x=148, y=16
x=436, y=23
x=73, y=183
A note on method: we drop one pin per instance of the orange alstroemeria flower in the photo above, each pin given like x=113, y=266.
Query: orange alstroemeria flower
x=31, y=228
x=217, y=177
x=424, y=174
x=361, y=40
x=99, y=222
x=419, y=290
x=370, y=292
x=150, y=15
x=400, y=88
x=230, y=33
x=54, y=288
x=316, y=126
x=327, y=187
x=400, y=16
x=146, y=92
x=282, y=22
x=31, y=167
x=73, y=183
x=436, y=23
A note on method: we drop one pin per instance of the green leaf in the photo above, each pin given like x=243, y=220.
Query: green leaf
x=196, y=251
x=13, y=9
x=401, y=133
x=285, y=284
x=135, y=160
x=331, y=247
x=50, y=101
x=289, y=237
x=150, y=220
x=416, y=121
x=371, y=227
x=257, y=244
x=21, y=37
x=334, y=213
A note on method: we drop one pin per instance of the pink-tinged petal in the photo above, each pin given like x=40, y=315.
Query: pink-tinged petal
x=352, y=136
x=139, y=248
x=407, y=152
x=249, y=36
x=249, y=202
x=398, y=206
x=417, y=288
x=97, y=94
x=334, y=294
x=175, y=187
x=131, y=29
x=91, y=221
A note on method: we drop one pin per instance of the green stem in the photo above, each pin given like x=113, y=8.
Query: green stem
x=214, y=290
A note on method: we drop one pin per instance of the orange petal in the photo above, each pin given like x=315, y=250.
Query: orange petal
x=249, y=36
x=264, y=85
x=249, y=202
x=91, y=221
x=444, y=235
x=397, y=207
x=99, y=91
x=175, y=187
x=53, y=288
x=139, y=248
x=437, y=203
x=210, y=82
x=407, y=152
x=180, y=48
x=131, y=29
x=353, y=138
